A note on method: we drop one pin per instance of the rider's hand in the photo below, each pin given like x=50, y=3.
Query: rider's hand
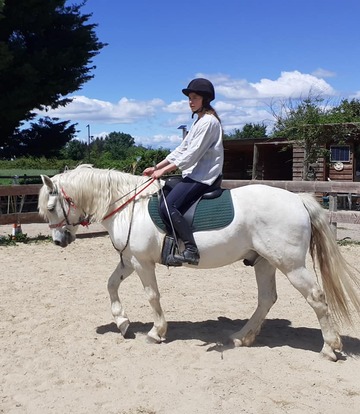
x=149, y=171
x=157, y=173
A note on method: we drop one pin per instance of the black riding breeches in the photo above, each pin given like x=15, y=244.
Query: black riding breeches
x=179, y=200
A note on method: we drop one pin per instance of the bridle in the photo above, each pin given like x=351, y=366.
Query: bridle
x=85, y=220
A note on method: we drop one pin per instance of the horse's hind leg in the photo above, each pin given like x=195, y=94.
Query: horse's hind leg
x=265, y=278
x=307, y=285
x=119, y=274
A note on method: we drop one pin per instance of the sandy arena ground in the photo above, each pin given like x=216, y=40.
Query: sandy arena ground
x=60, y=351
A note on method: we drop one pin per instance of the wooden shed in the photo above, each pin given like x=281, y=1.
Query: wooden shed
x=280, y=159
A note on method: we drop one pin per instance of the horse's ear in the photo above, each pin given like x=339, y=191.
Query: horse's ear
x=47, y=181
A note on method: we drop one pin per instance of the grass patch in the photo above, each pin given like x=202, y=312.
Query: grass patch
x=32, y=175
x=10, y=240
x=348, y=242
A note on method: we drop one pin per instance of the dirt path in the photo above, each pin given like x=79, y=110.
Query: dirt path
x=60, y=352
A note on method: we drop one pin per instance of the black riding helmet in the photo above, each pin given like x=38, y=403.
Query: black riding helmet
x=202, y=87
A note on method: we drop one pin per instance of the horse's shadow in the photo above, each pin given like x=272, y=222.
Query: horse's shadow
x=274, y=333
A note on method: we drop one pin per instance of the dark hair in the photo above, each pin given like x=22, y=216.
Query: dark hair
x=210, y=110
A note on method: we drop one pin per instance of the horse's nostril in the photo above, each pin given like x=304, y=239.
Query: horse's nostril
x=56, y=242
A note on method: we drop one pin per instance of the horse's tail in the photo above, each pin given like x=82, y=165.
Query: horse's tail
x=338, y=279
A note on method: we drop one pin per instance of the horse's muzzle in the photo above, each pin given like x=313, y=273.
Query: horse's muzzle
x=63, y=238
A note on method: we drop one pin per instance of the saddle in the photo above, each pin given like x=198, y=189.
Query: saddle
x=212, y=211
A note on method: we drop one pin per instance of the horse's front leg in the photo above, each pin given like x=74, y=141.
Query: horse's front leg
x=147, y=275
x=265, y=278
x=119, y=274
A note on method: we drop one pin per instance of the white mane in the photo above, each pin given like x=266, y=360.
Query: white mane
x=94, y=190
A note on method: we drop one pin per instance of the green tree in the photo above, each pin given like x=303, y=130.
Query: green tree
x=45, y=138
x=75, y=150
x=312, y=123
x=134, y=159
x=96, y=149
x=46, y=50
x=248, y=131
x=145, y=157
x=117, y=144
x=346, y=112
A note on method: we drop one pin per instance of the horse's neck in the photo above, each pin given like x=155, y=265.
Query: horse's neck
x=103, y=192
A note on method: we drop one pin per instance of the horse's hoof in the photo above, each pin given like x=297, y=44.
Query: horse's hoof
x=328, y=353
x=237, y=342
x=246, y=340
x=153, y=338
x=123, y=325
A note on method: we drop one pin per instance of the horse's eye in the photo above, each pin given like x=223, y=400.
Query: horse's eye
x=51, y=203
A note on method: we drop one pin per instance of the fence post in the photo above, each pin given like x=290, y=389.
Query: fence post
x=333, y=208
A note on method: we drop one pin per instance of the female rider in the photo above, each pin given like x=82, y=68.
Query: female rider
x=200, y=158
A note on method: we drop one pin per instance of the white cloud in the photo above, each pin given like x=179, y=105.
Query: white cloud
x=238, y=102
x=95, y=110
x=178, y=120
x=235, y=94
x=323, y=73
x=178, y=107
x=156, y=141
x=236, y=89
x=222, y=106
x=288, y=85
x=356, y=95
x=292, y=84
x=244, y=116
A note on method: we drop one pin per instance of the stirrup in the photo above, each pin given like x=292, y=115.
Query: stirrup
x=171, y=261
x=187, y=256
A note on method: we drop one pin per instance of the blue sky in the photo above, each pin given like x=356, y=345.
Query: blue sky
x=256, y=52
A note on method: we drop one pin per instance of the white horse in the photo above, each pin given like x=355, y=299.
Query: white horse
x=272, y=227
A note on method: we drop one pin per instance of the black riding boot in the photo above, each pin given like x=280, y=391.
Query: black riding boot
x=190, y=254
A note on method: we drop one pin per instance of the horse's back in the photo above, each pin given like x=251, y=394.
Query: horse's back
x=274, y=218
x=265, y=199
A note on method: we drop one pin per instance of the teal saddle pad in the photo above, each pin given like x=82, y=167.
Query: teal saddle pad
x=210, y=214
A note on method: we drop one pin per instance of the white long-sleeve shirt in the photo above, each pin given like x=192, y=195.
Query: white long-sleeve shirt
x=200, y=156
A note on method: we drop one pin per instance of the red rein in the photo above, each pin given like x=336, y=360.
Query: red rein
x=85, y=222
x=129, y=200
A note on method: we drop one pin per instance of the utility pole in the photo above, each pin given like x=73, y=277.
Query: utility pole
x=184, y=130
x=88, y=143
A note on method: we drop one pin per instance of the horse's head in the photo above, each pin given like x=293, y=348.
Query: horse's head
x=60, y=211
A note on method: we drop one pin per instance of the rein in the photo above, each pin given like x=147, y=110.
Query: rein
x=85, y=221
x=149, y=182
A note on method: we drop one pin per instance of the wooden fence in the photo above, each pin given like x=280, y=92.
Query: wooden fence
x=17, y=195
x=347, y=192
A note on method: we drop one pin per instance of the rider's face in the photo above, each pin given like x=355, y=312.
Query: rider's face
x=195, y=101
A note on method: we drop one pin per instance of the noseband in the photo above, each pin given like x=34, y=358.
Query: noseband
x=84, y=221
